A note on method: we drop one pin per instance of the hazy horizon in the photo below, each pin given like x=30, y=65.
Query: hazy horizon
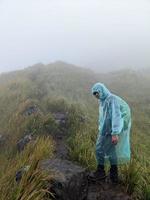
x=100, y=35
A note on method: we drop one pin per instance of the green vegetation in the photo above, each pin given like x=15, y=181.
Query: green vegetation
x=33, y=183
x=63, y=88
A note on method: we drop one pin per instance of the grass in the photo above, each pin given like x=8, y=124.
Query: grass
x=81, y=148
x=19, y=90
x=33, y=183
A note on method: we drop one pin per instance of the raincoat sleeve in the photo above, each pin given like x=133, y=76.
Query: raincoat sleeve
x=117, y=121
x=100, y=121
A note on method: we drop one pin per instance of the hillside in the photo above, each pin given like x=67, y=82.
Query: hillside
x=59, y=79
x=64, y=88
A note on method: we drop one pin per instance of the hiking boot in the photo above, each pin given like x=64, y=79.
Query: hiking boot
x=98, y=175
x=114, y=174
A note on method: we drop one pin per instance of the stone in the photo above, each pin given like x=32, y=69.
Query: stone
x=60, y=118
x=70, y=182
x=83, y=119
x=31, y=110
x=23, y=142
x=3, y=140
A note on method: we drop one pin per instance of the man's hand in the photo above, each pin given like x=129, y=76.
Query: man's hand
x=115, y=139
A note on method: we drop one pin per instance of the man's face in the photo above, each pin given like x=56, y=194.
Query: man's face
x=96, y=94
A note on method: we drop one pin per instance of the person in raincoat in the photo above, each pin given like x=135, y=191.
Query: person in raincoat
x=113, y=140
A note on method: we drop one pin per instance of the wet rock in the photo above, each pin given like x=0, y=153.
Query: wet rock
x=60, y=118
x=70, y=182
x=23, y=142
x=20, y=172
x=3, y=139
x=31, y=110
x=83, y=119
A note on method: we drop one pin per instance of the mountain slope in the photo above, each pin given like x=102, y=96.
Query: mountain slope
x=63, y=87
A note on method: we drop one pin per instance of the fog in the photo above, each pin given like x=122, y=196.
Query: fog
x=104, y=35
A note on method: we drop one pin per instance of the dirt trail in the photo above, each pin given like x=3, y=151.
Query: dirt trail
x=61, y=151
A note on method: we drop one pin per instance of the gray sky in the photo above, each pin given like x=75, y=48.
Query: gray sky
x=97, y=33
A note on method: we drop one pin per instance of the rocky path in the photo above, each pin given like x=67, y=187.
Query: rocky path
x=61, y=147
x=106, y=191
x=71, y=182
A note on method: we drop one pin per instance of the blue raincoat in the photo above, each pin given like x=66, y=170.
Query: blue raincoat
x=114, y=119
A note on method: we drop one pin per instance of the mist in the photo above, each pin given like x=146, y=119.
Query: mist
x=104, y=35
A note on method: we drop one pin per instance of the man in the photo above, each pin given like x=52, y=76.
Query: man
x=113, y=141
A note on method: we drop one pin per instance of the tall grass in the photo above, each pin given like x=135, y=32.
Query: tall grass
x=81, y=147
x=131, y=177
x=33, y=185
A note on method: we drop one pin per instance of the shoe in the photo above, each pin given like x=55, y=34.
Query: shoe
x=98, y=175
x=114, y=174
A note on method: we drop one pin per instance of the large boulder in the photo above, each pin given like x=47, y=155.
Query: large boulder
x=70, y=182
x=23, y=142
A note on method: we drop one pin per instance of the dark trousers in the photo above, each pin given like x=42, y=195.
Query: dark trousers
x=105, y=148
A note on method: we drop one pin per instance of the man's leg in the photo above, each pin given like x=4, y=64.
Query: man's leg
x=113, y=162
x=114, y=173
x=99, y=174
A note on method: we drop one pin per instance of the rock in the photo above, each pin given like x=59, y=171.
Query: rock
x=83, y=119
x=31, y=110
x=70, y=182
x=23, y=142
x=3, y=140
x=60, y=118
x=20, y=172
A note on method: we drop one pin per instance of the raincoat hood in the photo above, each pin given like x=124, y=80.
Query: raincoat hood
x=102, y=90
